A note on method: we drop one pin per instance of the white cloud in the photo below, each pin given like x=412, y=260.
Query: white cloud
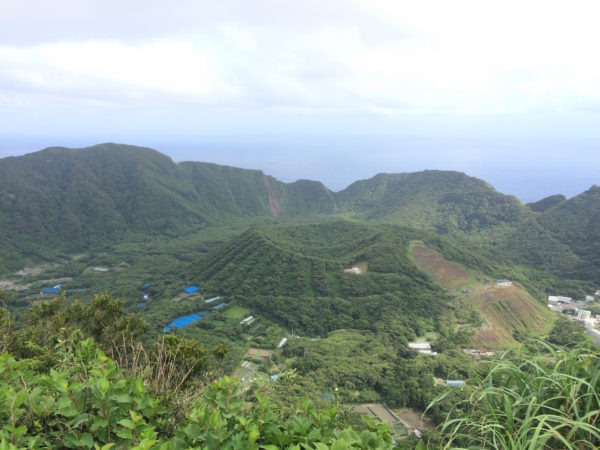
x=372, y=57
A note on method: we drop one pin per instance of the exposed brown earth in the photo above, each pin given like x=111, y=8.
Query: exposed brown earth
x=259, y=353
x=448, y=274
x=274, y=205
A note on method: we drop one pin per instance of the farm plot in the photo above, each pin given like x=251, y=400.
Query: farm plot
x=236, y=312
x=381, y=412
x=449, y=274
x=260, y=354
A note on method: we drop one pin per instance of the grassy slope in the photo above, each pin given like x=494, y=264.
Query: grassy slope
x=506, y=310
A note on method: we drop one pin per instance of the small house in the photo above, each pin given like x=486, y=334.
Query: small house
x=248, y=320
x=422, y=347
x=503, y=283
x=583, y=314
x=559, y=299
x=51, y=290
x=456, y=383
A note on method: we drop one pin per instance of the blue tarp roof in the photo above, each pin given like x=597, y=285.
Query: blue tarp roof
x=326, y=396
x=184, y=321
x=191, y=289
x=51, y=290
x=144, y=293
x=220, y=306
x=146, y=285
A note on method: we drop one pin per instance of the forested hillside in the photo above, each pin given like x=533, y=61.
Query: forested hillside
x=61, y=200
x=69, y=200
x=436, y=200
x=294, y=274
x=575, y=223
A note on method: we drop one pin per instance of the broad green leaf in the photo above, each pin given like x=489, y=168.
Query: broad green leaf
x=127, y=423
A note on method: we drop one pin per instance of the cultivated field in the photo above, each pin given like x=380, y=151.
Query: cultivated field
x=448, y=274
x=415, y=420
x=258, y=353
x=507, y=310
x=236, y=312
x=384, y=414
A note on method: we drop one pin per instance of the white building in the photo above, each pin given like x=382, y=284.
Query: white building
x=503, y=283
x=247, y=321
x=422, y=347
x=559, y=299
x=582, y=314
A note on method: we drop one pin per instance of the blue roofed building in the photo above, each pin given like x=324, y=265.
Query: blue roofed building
x=191, y=289
x=51, y=290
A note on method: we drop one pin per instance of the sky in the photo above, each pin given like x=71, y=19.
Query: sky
x=508, y=91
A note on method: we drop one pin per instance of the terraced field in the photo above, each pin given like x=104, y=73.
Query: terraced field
x=506, y=310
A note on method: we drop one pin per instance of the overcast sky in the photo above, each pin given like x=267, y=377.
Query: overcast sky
x=330, y=90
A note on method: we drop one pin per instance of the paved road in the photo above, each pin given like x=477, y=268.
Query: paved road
x=592, y=332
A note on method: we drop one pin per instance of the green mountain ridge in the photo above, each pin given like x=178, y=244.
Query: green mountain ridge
x=547, y=203
x=62, y=200
x=436, y=200
x=575, y=223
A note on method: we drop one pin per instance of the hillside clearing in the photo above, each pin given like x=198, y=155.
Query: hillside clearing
x=415, y=419
x=236, y=312
x=507, y=310
x=384, y=414
x=448, y=274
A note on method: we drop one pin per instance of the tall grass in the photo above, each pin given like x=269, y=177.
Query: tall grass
x=548, y=401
